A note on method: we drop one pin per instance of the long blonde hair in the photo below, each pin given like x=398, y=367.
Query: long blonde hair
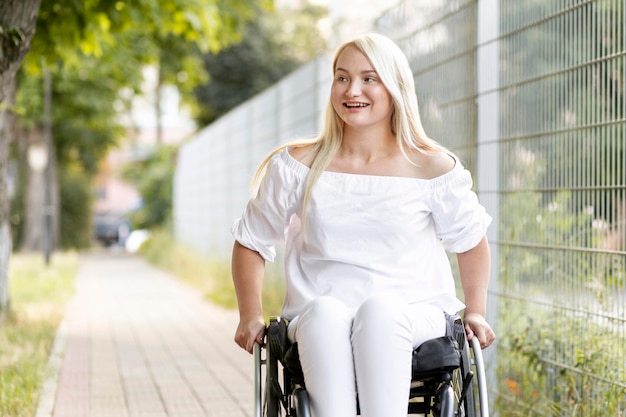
x=393, y=68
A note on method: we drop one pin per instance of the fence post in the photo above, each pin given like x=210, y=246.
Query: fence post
x=487, y=166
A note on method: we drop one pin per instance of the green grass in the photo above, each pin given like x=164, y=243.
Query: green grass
x=211, y=275
x=38, y=296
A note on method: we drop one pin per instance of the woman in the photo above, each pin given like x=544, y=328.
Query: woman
x=366, y=211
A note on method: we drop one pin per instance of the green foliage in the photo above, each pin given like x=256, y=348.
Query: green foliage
x=91, y=28
x=38, y=295
x=84, y=120
x=530, y=385
x=96, y=52
x=85, y=128
x=153, y=178
x=274, y=44
x=556, y=355
x=127, y=35
x=76, y=204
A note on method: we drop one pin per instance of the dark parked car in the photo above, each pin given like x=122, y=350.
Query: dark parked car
x=111, y=228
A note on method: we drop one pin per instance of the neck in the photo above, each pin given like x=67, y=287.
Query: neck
x=368, y=144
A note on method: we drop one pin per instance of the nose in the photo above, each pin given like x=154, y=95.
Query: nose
x=354, y=89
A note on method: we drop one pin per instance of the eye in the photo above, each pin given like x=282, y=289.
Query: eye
x=342, y=78
x=369, y=79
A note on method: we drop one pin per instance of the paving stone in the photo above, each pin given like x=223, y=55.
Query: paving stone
x=137, y=342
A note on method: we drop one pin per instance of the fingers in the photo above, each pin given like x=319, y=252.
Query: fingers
x=248, y=334
x=483, y=337
x=258, y=338
x=469, y=332
x=479, y=328
x=246, y=344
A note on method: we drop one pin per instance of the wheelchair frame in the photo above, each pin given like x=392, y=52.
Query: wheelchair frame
x=449, y=391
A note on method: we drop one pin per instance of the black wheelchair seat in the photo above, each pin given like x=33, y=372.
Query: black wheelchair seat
x=439, y=354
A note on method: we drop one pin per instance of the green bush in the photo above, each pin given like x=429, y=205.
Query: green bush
x=530, y=383
x=76, y=206
x=153, y=178
x=558, y=349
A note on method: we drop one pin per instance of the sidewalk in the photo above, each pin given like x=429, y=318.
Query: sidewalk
x=138, y=343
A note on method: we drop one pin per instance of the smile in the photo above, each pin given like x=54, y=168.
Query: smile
x=353, y=105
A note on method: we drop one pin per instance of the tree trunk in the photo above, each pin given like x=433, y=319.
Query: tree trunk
x=18, y=19
x=7, y=94
x=34, y=200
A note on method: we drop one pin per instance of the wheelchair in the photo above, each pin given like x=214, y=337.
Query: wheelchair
x=448, y=376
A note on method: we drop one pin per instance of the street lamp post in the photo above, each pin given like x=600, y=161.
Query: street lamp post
x=48, y=209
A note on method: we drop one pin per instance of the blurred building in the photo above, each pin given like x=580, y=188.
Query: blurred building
x=115, y=198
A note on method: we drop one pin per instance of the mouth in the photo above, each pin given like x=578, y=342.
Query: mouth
x=355, y=105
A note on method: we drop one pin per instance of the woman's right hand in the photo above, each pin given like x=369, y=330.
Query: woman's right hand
x=250, y=331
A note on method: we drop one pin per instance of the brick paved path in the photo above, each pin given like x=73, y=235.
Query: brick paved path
x=138, y=343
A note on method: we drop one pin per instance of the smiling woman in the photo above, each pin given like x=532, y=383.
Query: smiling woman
x=366, y=211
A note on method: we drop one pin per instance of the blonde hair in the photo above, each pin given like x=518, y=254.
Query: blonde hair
x=394, y=70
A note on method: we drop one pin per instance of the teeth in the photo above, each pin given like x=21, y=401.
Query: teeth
x=356, y=105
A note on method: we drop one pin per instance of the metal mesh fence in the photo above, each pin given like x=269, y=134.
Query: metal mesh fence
x=214, y=171
x=531, y=96
x=560, y=188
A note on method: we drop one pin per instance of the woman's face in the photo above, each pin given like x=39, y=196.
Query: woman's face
x=357, y=94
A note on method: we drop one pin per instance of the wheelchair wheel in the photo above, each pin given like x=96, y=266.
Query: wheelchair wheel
x=463, y=381
x=469, y=380
x=481, y=379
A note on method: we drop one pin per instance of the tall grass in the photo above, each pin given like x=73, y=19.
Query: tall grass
x=38, y=297
x=210, y=274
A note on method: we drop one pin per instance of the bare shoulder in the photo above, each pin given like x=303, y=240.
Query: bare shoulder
x=303, y=154
x=433, y=164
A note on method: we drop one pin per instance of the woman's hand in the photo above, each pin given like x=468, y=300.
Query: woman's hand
x=477, y=326
x=250, y=331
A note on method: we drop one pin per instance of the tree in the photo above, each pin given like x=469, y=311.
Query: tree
x=270, y=49
x=85, y=125
x=17, y=27
x=70, y=31
x=153, y=178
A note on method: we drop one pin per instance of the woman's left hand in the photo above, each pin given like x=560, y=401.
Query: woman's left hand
x=477, y=326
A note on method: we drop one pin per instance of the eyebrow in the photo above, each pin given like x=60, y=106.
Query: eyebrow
x=362, y=72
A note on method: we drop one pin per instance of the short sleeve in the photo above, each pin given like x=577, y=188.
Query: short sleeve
x=263, y=223
x=460, y=220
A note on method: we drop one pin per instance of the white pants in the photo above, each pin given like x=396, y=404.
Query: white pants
x=369, y=352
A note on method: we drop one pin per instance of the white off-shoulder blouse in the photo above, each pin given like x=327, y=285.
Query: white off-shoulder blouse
x=366, y=235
